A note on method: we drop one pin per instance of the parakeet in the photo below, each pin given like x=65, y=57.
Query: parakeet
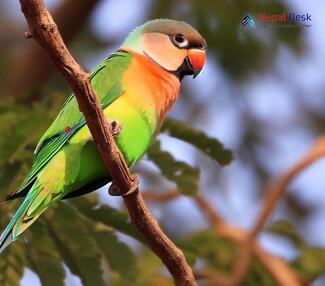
x=136, y=85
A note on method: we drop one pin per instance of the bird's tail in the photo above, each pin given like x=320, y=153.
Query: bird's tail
x=7, y=236
x=20, y=220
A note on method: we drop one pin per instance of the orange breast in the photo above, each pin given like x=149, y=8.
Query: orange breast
x=149, y=86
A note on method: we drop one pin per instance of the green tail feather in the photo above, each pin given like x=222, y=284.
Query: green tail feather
x=20, y=222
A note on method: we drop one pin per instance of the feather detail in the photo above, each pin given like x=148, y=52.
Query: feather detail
x=151, y=86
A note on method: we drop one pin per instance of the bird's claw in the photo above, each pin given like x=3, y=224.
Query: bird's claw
x=133, y=187
x=116, y=127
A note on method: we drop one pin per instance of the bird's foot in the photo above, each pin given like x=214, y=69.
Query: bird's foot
x=133, y=187
x=116, y=127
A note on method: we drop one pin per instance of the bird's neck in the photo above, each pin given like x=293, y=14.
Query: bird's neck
x=133, y=41
x=152, y=85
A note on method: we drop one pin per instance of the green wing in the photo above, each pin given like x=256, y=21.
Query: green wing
x=106, y=80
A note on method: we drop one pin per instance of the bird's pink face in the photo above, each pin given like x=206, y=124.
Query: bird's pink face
x=179, y=53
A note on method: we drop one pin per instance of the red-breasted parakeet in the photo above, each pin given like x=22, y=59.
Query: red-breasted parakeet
x=136, y=85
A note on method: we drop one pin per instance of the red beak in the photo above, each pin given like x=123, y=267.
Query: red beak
x=197, y=59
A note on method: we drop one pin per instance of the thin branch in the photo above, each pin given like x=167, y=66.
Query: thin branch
x=43, y=29
x=216, y=279
x=276, y=266
x=274, y=193
x=149, y=195
x=215, y=219
x=211, y=214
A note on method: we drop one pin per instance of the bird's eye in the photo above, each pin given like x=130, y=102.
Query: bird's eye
x=180, y=40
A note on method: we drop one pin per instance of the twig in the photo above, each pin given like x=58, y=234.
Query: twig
x=274, y=193
x=216, y=279
x=211, y=214
x=215, y=219
x=43, y=29
x=276, y=266
x=160, y=197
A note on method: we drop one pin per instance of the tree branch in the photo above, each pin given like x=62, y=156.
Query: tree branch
x=274, y=193
x=277, y=267
x=43, y=29
x=216, y=279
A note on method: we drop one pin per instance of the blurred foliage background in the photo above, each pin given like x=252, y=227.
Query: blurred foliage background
x=261, y=94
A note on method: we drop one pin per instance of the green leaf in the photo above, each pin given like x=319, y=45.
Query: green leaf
x=311, y=262
x=219, y=255
x=218, y=252
x=11, y=177
x=118, y=255
x=105, y=214
x=149, y=272
x=20, y=127
x=185, y=176
x=43, y=255
x=78, y=249
x=209, y=146
x=285, y=228
x=12, y=263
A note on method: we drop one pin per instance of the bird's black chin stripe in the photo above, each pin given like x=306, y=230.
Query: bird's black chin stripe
x=185, y=69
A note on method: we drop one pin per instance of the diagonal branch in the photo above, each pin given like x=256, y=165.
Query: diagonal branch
x=274, y=193
x=277, y=267
x=43, y=29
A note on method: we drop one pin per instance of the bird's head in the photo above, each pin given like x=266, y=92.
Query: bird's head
x=174, y=45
